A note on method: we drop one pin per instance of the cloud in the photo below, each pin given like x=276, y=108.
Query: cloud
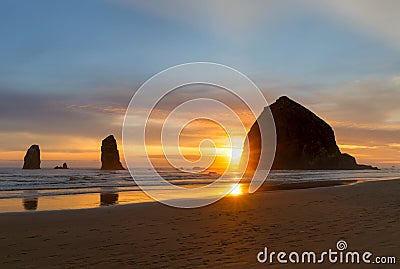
x=226, y=18
x=234, y=18
x=379, y=19
x=368, y=104
x=56, y=115
x=109, y=109
x=356, y=147
x=396, y=80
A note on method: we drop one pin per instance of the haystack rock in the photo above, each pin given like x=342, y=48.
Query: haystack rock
x=32, y=158
x=304, y=141
x=110, y=155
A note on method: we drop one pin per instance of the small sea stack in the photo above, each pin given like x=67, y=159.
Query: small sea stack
x=110, y=154
x=64, y=166
x=32, y=158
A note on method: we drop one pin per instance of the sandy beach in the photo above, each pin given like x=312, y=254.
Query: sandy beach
x=199, y=134
x=227, y=234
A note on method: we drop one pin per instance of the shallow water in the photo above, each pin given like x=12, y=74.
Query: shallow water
x=49, y=189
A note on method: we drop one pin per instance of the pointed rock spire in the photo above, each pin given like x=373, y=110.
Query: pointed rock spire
x=32, y=158
x=110, y=154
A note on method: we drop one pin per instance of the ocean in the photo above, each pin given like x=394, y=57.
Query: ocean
x=86, y=188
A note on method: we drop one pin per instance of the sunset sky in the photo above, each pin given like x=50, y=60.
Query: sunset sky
x=68, y=69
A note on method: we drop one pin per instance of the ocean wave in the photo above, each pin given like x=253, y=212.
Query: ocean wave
x=18, y=182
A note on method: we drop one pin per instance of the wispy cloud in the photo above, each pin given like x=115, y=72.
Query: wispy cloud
x=396, y=80
x=356, y=147
x=58, y=114
x=110, y=109
x=226, y=18
x=377, y=19
x=367, y=104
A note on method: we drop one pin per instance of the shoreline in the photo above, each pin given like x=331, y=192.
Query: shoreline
x=111, y=199
x=228, y=233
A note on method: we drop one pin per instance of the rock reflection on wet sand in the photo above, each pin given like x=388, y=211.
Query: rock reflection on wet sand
x=108, y=198
x=30, y=203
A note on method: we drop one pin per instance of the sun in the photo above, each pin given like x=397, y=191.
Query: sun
x=232, y=153
x=234, y=156
x=236, y=190
x=235, y=153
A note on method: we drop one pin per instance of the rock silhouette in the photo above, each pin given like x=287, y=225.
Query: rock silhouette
x=108, y=198
x=304, y=141
x=32, y=158
x=110, y=155
x=64, y=166
x=30, y=203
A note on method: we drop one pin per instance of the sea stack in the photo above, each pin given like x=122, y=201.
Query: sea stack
x=64, y=166
x=32, y=158
x=304, y=141
x=110, y=155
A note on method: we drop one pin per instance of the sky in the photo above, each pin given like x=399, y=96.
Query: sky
x=68, y=69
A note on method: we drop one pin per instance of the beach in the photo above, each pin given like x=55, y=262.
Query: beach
x=227, y=234
x=199, y=134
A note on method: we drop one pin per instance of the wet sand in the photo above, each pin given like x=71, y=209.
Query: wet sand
x=35, y=202
x=227, y=234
